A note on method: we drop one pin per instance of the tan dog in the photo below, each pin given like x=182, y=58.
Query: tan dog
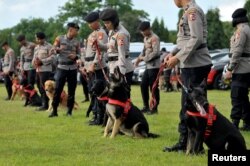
x=49, y=87
x=17, y=88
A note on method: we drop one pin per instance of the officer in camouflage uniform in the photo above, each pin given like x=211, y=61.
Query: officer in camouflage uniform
x=151, y=56
x=94, y=63
x=26, y=55
x=239, y=69
x=118, y=45
x=68, y=48
x=192, y=55
x=8, y=67
x=43, y=65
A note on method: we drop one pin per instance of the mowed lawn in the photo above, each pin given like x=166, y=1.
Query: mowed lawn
x=31, y=138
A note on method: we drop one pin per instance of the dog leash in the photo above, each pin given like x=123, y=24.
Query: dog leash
x=99, y=60
x=153, y=101
x=195, y=103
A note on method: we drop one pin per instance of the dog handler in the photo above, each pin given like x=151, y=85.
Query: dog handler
x=151, y=56
x=8, y=67
x=68, y=48
x=239, y=69
x=118, y=45
x=192, y=55
x=94, y=63
x=43, y=64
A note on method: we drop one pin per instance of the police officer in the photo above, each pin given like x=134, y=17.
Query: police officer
x=43, y=65
x=151, y=56
x=192, y=55
x=239, y=69
x=26, y=55
x=68, y=48
x=8, y=67
x=94, y=63
x=118, y=45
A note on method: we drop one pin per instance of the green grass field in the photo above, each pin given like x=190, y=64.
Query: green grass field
x=29, y=138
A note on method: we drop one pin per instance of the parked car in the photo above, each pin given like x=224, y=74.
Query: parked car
x=135, y=50
x=214, y=79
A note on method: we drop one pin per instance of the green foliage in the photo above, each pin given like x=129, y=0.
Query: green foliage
x=247, y=7
x=216, y=37
x=31, y=138
x=160, y=30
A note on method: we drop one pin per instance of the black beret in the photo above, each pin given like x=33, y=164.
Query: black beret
x=144, y=26
x=241, y=12
x=73, y=25
x=40, y=35
x=91, y=17
x=4, y=43
x=20, y=38
x=109, y=15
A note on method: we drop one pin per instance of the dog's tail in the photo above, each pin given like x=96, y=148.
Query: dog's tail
x=152, y=135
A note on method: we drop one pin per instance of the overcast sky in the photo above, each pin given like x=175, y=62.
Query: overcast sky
x=12, y=11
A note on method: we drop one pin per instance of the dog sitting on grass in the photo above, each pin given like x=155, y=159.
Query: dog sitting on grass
x=49, y=87
x=123, y=116
x=31, y=96
x=17, y=88
x=206, y=124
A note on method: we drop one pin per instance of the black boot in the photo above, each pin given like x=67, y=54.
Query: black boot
x=236, y=123
x=153, y=111
x=69, y=112
x=246, y=127
x=53, y=113
x=44, y=106
x=94, y=120
x=180, y=146
x=145, y=109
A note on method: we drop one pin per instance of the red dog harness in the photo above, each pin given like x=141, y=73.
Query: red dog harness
x=126, y=105
x=30, y=92
x=211, y=117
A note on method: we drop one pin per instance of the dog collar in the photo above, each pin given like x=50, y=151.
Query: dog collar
x=211, y=117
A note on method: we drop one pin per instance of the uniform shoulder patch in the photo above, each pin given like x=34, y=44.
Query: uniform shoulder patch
x=237, y=33
x=192, y=14
x=154, y=40
x=100, y=35
x=57, y=41
x=120, y=39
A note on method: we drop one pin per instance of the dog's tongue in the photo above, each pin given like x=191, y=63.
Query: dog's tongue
x=200, y=109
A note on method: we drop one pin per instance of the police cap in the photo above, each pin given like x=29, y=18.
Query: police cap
x=241, y=12
x=109, y=15
x=239, y=16
x=20, y=38
x=40, y=35
x=91, y=17
x=144, y=26
x=73, y=25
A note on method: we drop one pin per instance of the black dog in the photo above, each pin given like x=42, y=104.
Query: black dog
x=31, y=96
x=209, y=126
x=123, y=116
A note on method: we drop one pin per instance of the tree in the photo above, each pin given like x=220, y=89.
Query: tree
x=216, y=36
x=247, y=7
x=228, y=30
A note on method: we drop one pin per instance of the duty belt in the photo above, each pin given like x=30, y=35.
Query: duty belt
x=27, y=60
x=89, y=58
x=115, y=58
x=66, y=63
x=245, y=55
x=4, y=65
x=204, y=45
